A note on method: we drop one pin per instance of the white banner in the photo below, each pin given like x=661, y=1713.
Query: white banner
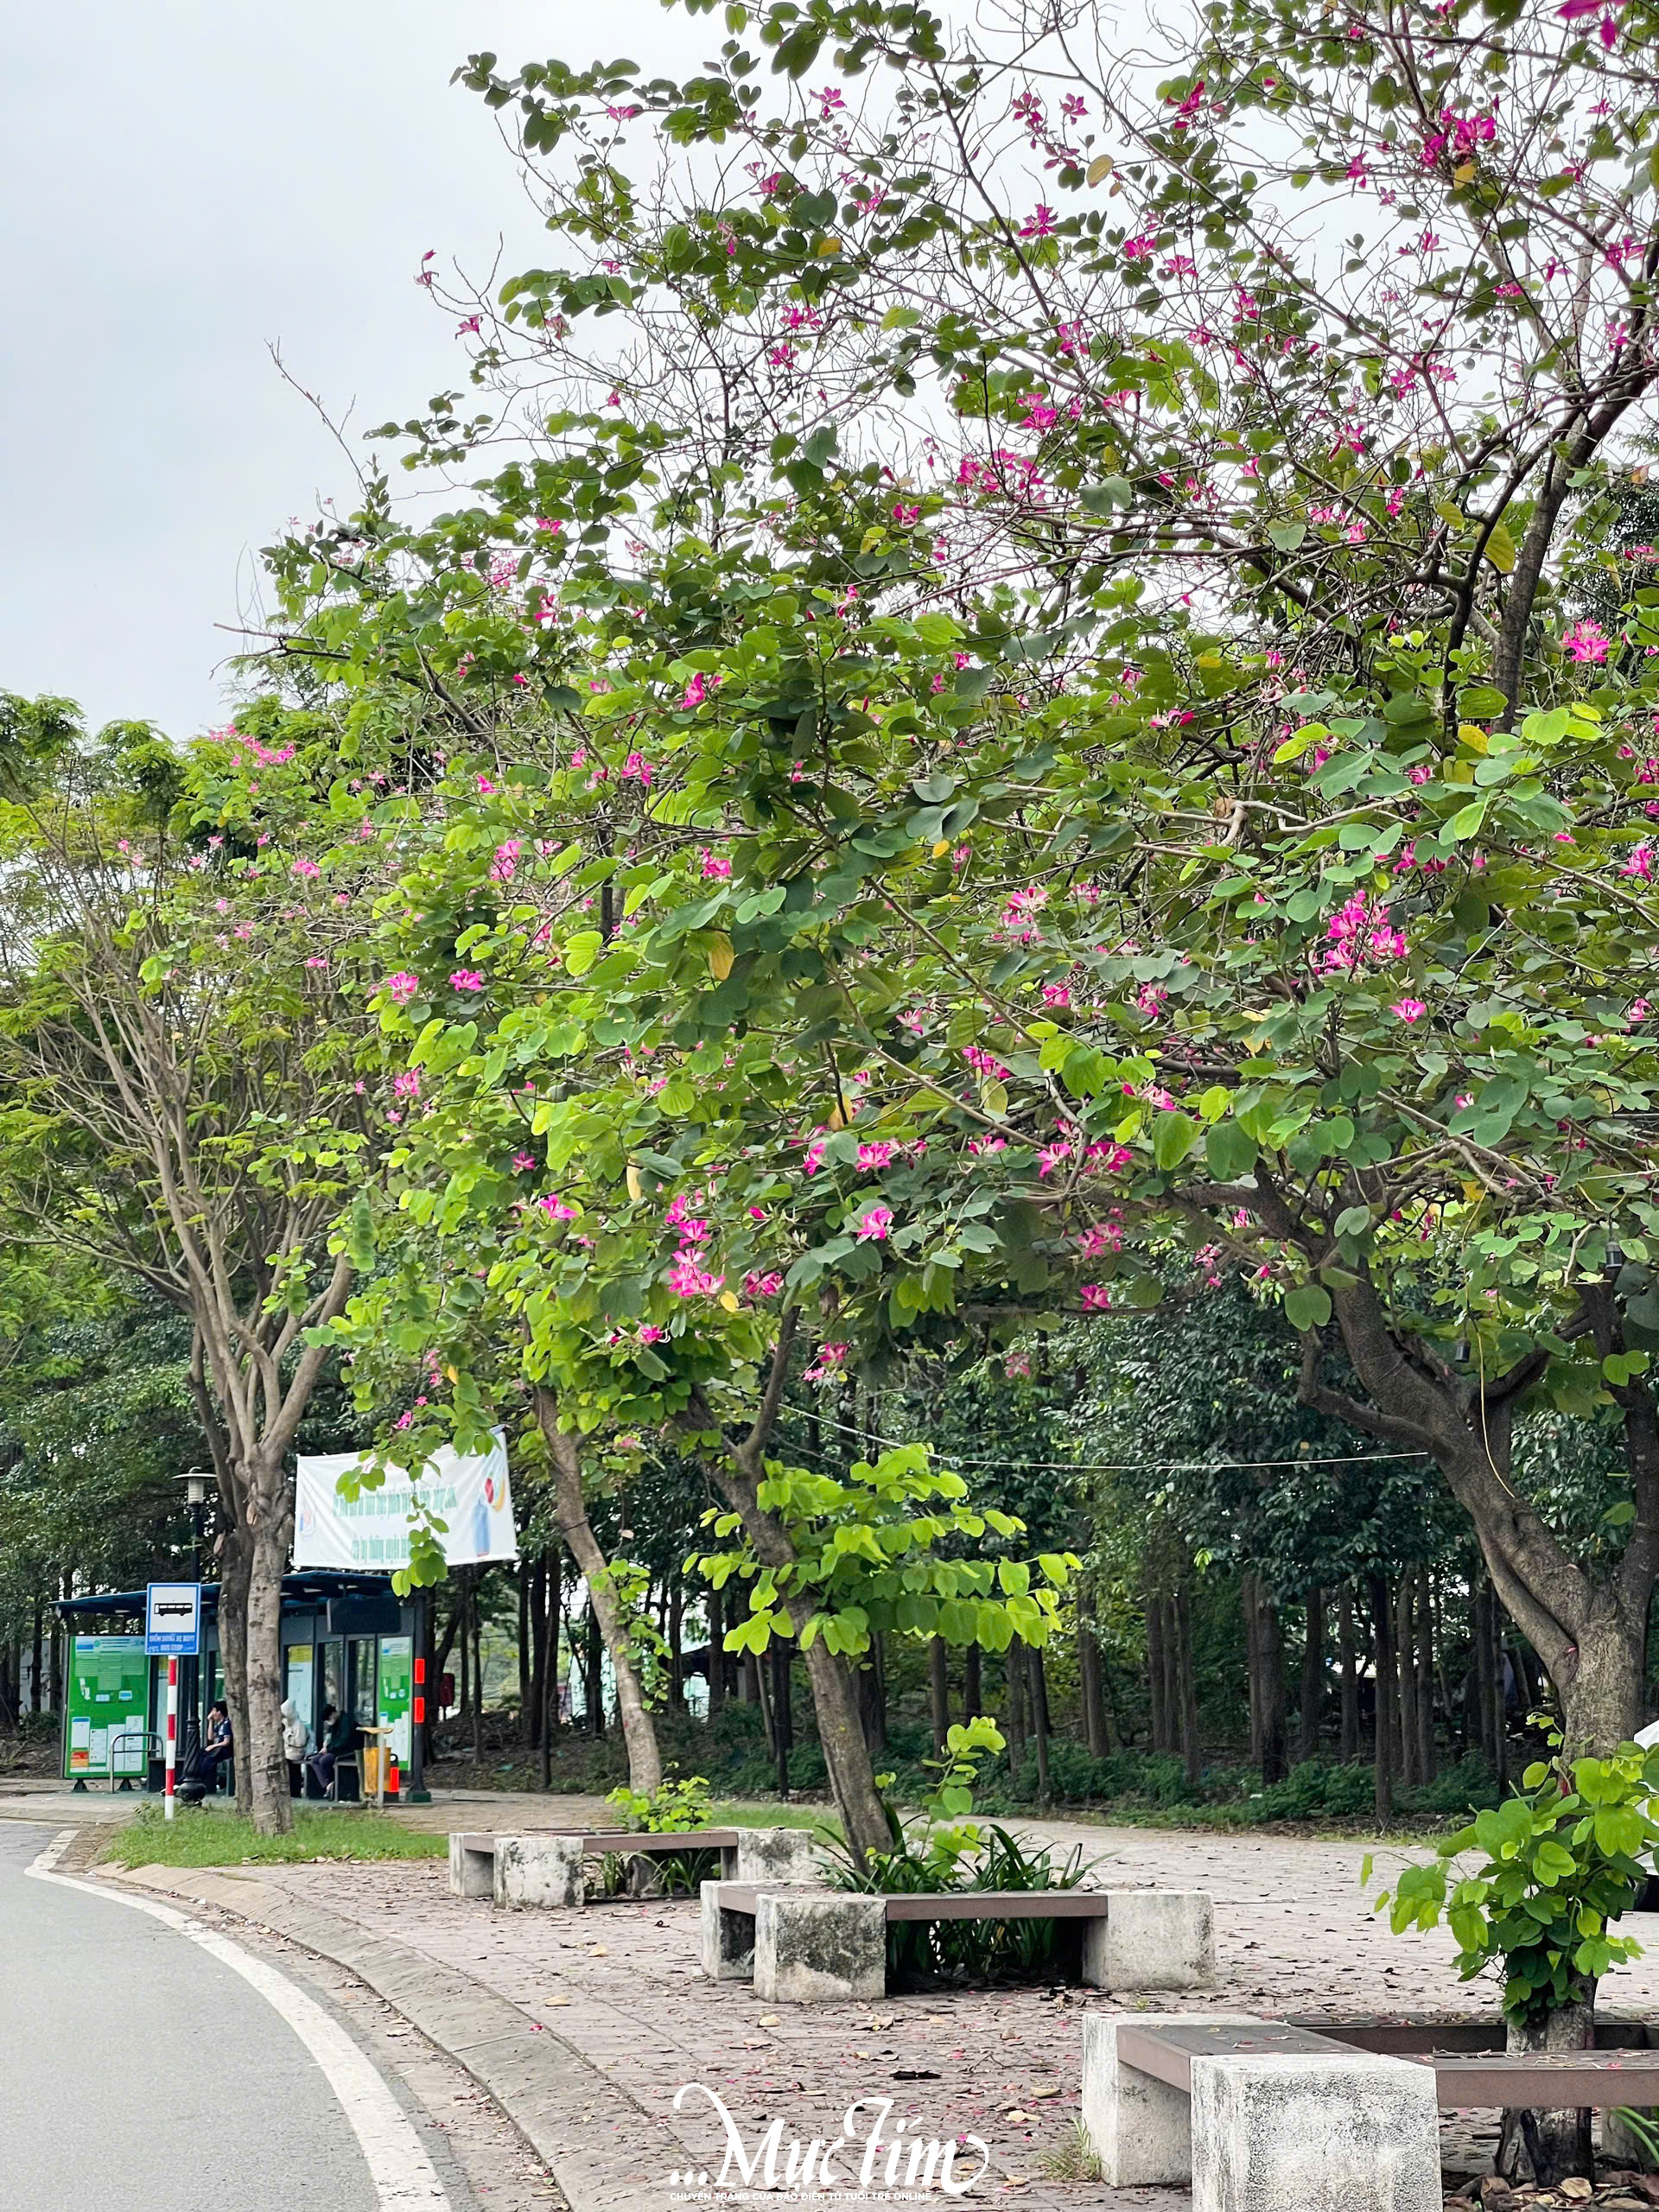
x=472, y=1497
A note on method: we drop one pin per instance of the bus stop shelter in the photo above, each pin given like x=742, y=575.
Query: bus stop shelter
x=349, y=1641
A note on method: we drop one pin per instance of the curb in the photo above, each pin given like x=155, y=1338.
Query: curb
x=601, y=2150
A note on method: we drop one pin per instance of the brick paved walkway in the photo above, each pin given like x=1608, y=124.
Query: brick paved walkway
x=620, y=1983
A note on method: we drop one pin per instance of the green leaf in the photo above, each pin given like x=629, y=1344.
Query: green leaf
x=1174, y=1135
x=1308, y=1307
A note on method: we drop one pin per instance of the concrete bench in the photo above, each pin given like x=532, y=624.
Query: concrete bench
x=830, y=1947
x=544, y=1866
x=1258, y=2116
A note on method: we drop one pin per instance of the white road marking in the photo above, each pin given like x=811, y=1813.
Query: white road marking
x=403, y=2175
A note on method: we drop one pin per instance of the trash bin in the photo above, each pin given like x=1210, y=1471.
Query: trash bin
x=369, y=1756
x=155, y=1777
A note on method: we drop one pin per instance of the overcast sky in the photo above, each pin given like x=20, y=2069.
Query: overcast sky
x=182, y=186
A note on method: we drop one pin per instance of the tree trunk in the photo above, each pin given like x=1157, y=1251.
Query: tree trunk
x=1013, y=1719
x=782, y=1710
x=1096, y=1728
x=1160, y=1732
x=262, y=1747
x=1250, y=1611
x=1187, y=1676
x=236, y=1567
x=37, y=1698
x=1406, y=1659
x=638, y=1732
x=716, y=1611
x=676, y=1652
x=973, y=1694
x=870, y=1689
x=1313, y=1694
x=472, y=1615
x=1345, y=1645
x=594, y=1670
x=1425, y=1676
x=526, y=1672
x=1275, y=1722
x=1551, y=2145
x=1383, y=1626
x=1038, y=1686
x=852, y=1778
x=938, y=1684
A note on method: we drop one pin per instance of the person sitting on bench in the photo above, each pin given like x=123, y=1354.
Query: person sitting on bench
x=338, y=1730
x=220, y=1745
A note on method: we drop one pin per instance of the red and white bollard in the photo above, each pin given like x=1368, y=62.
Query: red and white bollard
x=172, y=1736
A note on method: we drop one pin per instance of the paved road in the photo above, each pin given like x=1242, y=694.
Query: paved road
x=143, y=2075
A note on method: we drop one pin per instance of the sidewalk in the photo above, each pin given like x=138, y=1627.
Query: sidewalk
x=585, y=2026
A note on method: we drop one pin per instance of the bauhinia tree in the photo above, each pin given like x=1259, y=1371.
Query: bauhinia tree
x=185, y=1102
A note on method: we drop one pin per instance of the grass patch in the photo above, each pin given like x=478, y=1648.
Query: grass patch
x=204, y=1838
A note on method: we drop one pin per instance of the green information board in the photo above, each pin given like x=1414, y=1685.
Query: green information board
x=397, y=1653
x=109, y=1694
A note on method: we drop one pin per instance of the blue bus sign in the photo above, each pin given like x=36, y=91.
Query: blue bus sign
x=172, y=1620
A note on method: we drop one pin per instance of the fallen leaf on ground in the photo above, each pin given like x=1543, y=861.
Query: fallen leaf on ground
x=1054, y=2092
x=769, y=2020
x=558, y=2000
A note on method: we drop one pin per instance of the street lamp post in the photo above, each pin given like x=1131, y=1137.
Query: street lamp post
x=199, y=1487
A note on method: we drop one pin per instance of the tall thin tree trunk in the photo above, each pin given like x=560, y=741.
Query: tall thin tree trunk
x=1014, y=1670
x=1349, y=1662
x=1405, y=1658
x=1383, y=1627
x=716, y=1612
x=1249, y=1608
x=1160, y=1732
x=1186, y=1676
x=1038, y=1682
x=1425, y=1676
x=676, y=1652
x=639, y=1730
x=1312, y=1692
x=1095, y=1724
x=594, y=1669
x=526, y=1671
x=973, y=1695
x=36, y=1699
x=783, y=1715
x=1275, y=1721
x=475, y=1615
x=938, y=1684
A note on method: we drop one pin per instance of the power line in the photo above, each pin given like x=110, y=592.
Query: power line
x=1129, y=1467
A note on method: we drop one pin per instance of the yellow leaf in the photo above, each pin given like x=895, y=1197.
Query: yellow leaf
x=829, y=246
x=451, y=1373
x=1099, y=168
x=941, y=847
x=720, y=957
x=1500, y=549
x=728, y=1300
x=1474, y=737
x=838, y=1120
x=769, y=2020
x=636, y=1182
x=1462, y=172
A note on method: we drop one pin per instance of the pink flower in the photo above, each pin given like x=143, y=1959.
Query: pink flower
x=1587, y=641
x=1040, y=224
x=1140, y=249
x=1096, y=1296
x=402, y=987
x=875, y=1226
x=757, y=1285
x=1640, y=864
x=408, y=1084
x=695, y=691
x=307, y=868
x=1051, y=1157
x=686, y=1279
x=1409, y=1010
x=466, y=979
x=554, y=1207
x=874, y=1155
x=522, y=1163
x=636, y=768
x=714, y=866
